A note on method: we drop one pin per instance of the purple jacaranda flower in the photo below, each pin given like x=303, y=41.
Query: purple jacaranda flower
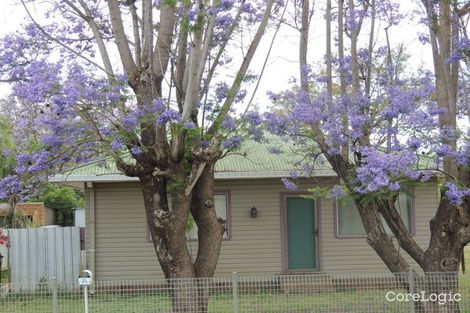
x=414, y=143
x=221, y=91
x=228, y=123
x=274, y=150
x=9, y=185
x=136, y=150
x=336, y=192
x=189, y=125
x=443, y=150
x=454, y=194
x=130, y=121
x=289, y=184
x=168, y=116
x=394, y=186
x=232, y=143
x=117, y=144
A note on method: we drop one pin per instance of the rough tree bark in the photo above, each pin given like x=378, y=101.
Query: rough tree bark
x=376, y=235
x=450, y=227
x=210, y=232
x=450, y=230
x=166, y=54
x=170, y=167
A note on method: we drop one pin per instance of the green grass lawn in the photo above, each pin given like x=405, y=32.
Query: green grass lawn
x=220, y=303
x=248, y=302
x=465, y=278
x=4, y=276
x=467, y=259
x=147, y=301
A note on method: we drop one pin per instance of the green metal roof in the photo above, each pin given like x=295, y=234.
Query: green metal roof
x=253, y=160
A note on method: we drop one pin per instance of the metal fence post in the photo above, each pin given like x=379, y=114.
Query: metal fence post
x=55, y=302
x=1, y=258
x=411, y=285
x=234, y=292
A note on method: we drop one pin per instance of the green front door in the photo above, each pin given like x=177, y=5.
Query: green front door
x=301, y=233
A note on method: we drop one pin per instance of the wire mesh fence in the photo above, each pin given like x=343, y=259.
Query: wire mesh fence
x=326, y=292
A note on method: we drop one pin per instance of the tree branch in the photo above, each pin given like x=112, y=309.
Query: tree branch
x=137, y=43
x=121, y=40
x=222, y=47
x=464, y=10
x=161, y=53
x=181, y=66
x=42, y=30
x=128, y=169
x=242, y=71
x=378, y=239
x=208, y=39
x=399, y=230
x=147, y=32
x=263, y=68
x=192, y=88
x=88, y=17
x=195, y=174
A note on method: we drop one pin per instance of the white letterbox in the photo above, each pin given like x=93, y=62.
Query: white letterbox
x=86, y=278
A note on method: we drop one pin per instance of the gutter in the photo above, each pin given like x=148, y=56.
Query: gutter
x=218, y=175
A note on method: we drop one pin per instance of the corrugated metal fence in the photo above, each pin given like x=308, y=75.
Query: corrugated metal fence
x=39, y=255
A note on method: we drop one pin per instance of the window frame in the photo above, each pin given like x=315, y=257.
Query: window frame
x=228, y=220
x=336, y=220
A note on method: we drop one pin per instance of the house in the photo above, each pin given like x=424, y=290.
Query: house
x=290, y=233
x=34, y=213
x=79, y=217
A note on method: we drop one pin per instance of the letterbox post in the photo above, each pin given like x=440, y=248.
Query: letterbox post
x=85, y=280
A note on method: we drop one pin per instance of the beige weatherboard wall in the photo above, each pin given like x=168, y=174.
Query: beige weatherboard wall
x=117, y=239
x=124, y=252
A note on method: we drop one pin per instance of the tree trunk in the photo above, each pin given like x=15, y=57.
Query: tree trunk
x=440, y=261
x=187, y=281
x=445, y=246
x=434, y=286
x=442, y=258
x=210, y=228
x=449, y=232
x=210, y=232
x=167, y=228
x=379, y=240
x=10, y=220
x=449, y=227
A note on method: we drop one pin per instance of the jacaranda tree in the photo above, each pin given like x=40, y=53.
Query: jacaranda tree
x=6, y=162
x=383, y=129
x=151, y=85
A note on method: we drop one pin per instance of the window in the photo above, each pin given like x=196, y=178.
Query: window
x=28, y=219
x=222, y=208
x=349, y=222
x=19, y=220
x=221, y=204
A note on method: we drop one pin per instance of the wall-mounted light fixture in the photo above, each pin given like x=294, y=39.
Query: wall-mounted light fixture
x=253, y=212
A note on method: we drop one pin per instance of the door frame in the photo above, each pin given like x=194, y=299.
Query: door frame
x=284, y=248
